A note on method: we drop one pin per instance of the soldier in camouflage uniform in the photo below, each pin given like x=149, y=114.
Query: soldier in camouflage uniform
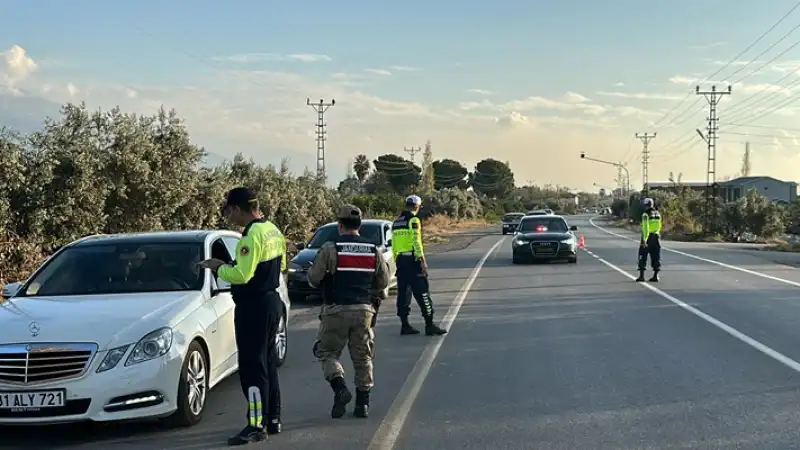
x=352, y=274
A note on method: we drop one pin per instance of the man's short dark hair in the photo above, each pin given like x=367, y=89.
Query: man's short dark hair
x=350, y=224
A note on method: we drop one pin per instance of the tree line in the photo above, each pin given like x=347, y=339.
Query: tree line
x=684, y=211
x=107, y=171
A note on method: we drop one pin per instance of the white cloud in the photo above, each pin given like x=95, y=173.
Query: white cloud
x=639, y=95
x=72, y=90
x=381, y=72
x=619, y=84
x=405, y=69
x=480, y=91
x=17, y=68
x=572, y=97
x=250, y=58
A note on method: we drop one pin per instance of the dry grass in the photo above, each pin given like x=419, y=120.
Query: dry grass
x=437, y=228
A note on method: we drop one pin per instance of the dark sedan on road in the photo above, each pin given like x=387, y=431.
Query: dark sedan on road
x=511, y=221
x=544, y=238
x=378, y=231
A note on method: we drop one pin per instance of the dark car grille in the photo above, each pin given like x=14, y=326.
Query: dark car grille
x=38, y=363
x=544, y=248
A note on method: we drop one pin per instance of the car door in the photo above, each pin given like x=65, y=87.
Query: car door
x=387, y=248
x=223, y=305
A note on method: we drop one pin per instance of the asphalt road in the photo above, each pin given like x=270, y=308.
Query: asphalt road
x=545, y=356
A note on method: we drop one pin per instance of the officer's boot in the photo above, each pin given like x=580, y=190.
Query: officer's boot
x=362, y=404
x=641, y=276
x=274, y=426
x=341, y=397
x=431, y=329
x=406, y=328
x=654, y=279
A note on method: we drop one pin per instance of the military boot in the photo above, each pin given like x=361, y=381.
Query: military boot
x=431, y=329
x=341, y=397
x=406, y=328
x=641, y=276
x=654, y=279
x=362, y=404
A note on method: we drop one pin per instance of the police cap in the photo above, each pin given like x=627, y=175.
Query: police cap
x=241, y=197
x=348, y=212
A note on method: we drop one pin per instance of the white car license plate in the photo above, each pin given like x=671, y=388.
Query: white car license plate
x=32, y=400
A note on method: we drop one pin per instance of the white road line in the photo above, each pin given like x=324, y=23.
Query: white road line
x=774, y=354
x=711, y=261
x=389, y=430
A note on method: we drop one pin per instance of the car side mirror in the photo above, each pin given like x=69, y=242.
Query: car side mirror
x=300, y=245
x=573, y=228
x=389, y=243
x=10, y=290
x=220, y=287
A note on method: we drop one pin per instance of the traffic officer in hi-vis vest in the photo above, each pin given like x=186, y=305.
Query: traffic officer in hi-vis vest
x=255, y=278
x=651, y=240
x=412, y=269
x=352, y=274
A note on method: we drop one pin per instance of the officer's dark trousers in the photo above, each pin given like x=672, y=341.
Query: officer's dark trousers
x=652, y=248
x=410, y=278
x=256, y=321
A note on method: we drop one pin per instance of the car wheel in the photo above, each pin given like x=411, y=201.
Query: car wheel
x=505, y=232
x=282, y=341
x=573, y=260
x=515, y=260
x=192, y=388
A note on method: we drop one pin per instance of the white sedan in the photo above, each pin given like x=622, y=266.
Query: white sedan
x=119, y=327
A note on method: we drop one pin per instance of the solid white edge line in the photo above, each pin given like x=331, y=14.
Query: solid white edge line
x=699, y=258
x=774, y=354
x=389, y=430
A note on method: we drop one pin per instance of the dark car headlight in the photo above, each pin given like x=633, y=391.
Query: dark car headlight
x=294, y=267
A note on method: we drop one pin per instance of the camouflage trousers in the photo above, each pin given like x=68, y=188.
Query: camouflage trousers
x=349, y=326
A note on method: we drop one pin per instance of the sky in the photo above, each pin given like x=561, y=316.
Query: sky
x=530, y=82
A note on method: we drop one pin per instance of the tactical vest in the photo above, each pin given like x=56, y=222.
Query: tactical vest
x=356, y=264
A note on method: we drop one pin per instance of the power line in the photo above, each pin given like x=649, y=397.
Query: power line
x=728, y=64
x=713, y=96
x=321, y=132
x=645, y=138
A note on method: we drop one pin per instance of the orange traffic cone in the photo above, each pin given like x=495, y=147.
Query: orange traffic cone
x=581, y=242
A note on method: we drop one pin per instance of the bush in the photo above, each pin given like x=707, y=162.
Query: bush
x=683, y=215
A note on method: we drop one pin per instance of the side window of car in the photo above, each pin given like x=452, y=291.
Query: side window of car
x=219, y=250
x=231, y=243
x=387, y=232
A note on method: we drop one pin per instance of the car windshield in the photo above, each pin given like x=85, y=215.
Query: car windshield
x=119, y=269
x=543, y=225
x=509, y=217
x=328, y=233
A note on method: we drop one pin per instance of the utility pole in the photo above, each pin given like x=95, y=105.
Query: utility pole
x=412, y=151
x=713, y=97
x=645, y=138
x=320, y=108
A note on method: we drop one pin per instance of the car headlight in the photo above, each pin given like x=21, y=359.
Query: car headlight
x=151, y=346
x=518, y=242
x=568, y=241
x=113, y=357
x=294, y=267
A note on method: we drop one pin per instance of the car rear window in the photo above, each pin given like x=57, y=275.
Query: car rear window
x=508, y=217
x=542, y=224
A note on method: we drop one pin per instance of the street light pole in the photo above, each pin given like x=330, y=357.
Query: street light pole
x=617, y=165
